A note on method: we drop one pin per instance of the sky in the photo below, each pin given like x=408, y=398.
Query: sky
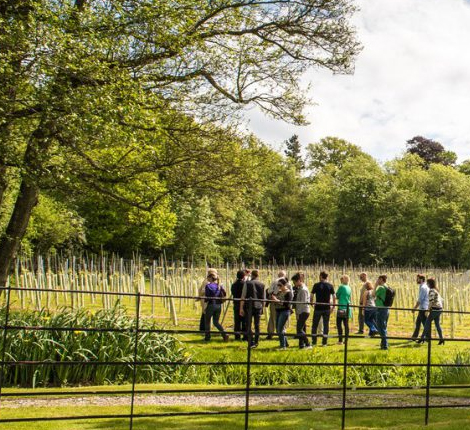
x=411, y=78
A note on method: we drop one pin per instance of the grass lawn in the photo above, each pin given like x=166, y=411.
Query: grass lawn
x=454, y=419
x=361, y=350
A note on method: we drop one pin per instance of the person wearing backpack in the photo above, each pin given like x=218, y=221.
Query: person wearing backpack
x=254, y=292
x=201, y=294
x=214, y=293
x=383, y=311
x=435, y=311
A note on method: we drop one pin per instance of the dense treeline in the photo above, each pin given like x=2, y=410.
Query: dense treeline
x=333, y=203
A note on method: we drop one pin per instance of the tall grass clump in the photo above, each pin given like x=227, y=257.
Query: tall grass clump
x=87, y=347
x=456, y=375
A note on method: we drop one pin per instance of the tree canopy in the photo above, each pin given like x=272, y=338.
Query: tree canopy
x=430, y=151
x=133, y=101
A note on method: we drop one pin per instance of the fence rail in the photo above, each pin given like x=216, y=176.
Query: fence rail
x=248, y=389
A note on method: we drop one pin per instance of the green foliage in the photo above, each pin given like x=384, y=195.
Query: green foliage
x=245, y=236
x=293, y=152
x=361, y=192
x=197, y=231
x=125, y=229
x=331, y=153
x=428, y=213
x=360, y=351
x=286, y=196
x=86, y=346
x=53, y=226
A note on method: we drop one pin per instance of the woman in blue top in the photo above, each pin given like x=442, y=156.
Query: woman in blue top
x=343, y=294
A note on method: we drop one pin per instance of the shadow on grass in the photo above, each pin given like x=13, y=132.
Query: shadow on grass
x=390, y=420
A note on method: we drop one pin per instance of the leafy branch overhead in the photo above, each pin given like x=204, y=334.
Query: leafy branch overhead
x=135, y=101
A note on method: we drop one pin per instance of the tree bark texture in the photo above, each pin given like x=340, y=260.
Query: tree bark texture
x=34, y=157
x=10, y=242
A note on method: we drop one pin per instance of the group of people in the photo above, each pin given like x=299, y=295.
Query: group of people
x=284, y=298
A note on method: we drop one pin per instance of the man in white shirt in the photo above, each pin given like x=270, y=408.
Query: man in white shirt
x=422, y=305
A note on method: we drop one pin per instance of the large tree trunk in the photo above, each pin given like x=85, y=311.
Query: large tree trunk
x=10, y=242
x=3, y=182
x=34, y=157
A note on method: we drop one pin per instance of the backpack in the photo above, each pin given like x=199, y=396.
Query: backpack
x=256, y=303
x=295, y=293
x=222, y=294
x=389, y=296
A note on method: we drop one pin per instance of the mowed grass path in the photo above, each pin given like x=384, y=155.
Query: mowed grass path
x=455, y=419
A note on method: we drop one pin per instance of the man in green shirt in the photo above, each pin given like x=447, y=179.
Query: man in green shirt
x=382, y=311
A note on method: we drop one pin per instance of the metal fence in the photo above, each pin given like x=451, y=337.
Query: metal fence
x=345, y=364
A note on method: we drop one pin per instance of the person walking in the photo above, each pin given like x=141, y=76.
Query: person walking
x=344, y=312
x=201, y=295
x=302, y=309
x=214, y=293
x=239, y=326
x=253, y=291
x=361, y=314
x=369, y=310
x=383, y=312
x=435, y=312
x=422, y=305
x=273, y=290
x=322, y=295
x=283, y=302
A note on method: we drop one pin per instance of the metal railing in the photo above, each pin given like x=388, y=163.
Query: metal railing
x=247, y=390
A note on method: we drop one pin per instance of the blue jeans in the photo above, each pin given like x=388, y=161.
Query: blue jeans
x=213, y=311
x=420, y=320
x=382, y=320
x=282, y=315
x=370, y=318
x=317, y=316
x=435, y=316
x=302, y=328
x=340, y=321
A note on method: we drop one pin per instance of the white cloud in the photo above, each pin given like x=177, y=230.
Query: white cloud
x=412, y=78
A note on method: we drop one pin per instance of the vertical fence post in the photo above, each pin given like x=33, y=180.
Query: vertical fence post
x=249, y=335
x=428, y=374
x=134, y=370
x=4, y=337
x=345, y=372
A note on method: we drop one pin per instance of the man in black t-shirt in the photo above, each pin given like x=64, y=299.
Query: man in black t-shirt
x=254, y=290
x=322, y=293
